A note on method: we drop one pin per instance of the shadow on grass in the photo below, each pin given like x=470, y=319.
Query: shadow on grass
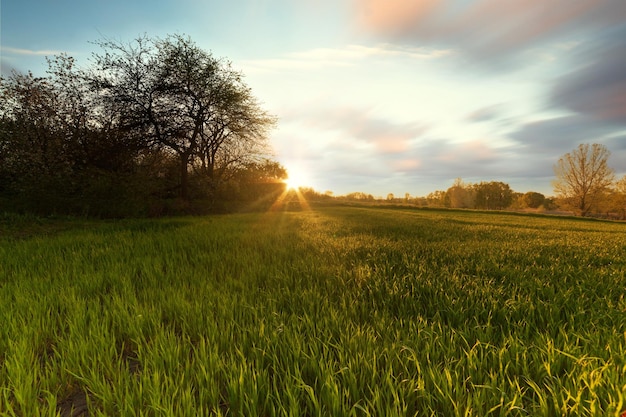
x=26, y=226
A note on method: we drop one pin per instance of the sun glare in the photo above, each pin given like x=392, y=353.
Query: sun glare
x=293, y=183
x=295, y=180
x=291, y=197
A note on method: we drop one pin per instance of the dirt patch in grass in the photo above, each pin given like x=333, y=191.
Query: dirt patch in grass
x=76, y=404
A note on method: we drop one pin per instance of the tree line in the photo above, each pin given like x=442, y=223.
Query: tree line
x=584, y=185
x=153, y=126
x=492, y=195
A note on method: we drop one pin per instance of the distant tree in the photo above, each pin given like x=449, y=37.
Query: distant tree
x=533, y=199
x=493, y=195
x=517, y=202
x=582, y=177
x=390, y=197
x=359, y=196
x=309, y=193
x=619, y=198
x=460, y=195
x=549, y=204
x=438, y=199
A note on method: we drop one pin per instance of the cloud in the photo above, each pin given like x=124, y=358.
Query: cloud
x=356, y=149
x=617, y=146
x=597, y=89
x=29, y=52
x=492, y=29
x=407, y=164
x=560, y=134
x=485, y=114
x=350, y=55
x=358, y=125
x=357, y=52
x=392, y=16
x=347, y=157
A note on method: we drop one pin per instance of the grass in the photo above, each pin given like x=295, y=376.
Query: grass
x=342, y=311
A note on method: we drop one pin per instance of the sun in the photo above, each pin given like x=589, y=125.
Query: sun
x=293, y=183
x=293, y=194
x=295, y=179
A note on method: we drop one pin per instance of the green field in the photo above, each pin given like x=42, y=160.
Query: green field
x=335, y=311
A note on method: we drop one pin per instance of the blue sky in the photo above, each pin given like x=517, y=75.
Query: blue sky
x=386, y=96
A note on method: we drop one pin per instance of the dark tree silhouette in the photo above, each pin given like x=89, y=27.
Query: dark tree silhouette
x=171, y=93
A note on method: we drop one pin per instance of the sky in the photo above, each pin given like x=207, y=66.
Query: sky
x=385, y=96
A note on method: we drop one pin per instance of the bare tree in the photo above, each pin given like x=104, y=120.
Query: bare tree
x=583, y=176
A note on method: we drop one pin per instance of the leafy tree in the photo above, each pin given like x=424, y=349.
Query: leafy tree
x=97, y=141
x=582, y=177
x=460, y=195
x=171, y=93
x=59, y=153
x=533, y=199
x=149, y=121
x=493, y=195
x=33, y=140
x=310, y=194
x=235, y=137
x=254, y=181
x=359, y=196
x=438, y=199
x=619, y=198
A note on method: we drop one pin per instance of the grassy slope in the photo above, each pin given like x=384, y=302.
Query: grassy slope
x=335, y=311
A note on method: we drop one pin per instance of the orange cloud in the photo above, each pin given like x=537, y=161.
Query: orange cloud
x=393, y=15
x=485, y=27
x=392, y=143
x=407, y=164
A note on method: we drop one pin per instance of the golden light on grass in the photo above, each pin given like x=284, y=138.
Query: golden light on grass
x=288, y=197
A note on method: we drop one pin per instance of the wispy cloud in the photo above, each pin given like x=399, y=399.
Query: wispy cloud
x=349, y=55
x=358, y=52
